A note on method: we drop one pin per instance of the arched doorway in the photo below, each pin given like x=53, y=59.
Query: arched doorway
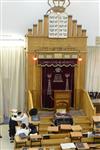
x=57, y=74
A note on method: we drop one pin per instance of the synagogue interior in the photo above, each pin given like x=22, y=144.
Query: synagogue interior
x=50, y=80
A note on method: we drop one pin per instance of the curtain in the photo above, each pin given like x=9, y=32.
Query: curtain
x=54, y=78
x=12, y=79
x=93, y=69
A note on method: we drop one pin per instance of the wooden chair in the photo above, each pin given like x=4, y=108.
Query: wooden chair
x=62, y=105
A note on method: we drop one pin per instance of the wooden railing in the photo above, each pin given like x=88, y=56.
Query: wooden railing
x=86, y=104
x=30, y=100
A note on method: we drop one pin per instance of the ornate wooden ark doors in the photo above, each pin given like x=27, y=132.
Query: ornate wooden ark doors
x=56, y=75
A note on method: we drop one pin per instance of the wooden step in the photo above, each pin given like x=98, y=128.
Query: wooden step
x=84, y=122
x=81, y=120
x=86, y=127
x=43, y=127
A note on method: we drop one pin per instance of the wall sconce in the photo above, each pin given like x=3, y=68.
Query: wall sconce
x=79, y=57
x=35, y=56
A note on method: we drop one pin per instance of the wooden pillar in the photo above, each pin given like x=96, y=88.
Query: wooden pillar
x=83, y=33
x=34, y=29
x=69, y=26
x=29, y=31
x=79, y=30
x=40, y=31
x=34, y=82
x=46, y=25
x=74, y=28
x=30, y=72
x=77, y=84
x=38, y=86
x=26, y=81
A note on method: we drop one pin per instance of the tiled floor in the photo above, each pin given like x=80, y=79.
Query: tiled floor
x=4, y=141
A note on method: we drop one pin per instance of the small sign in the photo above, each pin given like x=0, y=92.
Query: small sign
x=58, y=25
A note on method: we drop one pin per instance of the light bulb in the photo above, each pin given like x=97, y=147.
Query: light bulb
x=34, y=58
x=79, y=58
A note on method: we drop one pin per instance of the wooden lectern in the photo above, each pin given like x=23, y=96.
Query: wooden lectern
x=62, y=99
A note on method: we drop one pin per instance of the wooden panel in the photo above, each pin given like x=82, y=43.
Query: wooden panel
x=34, y=29
x=40, y=32
x=96, y=103
x=86, y=104
x=29, y=31
x=74, y=28
x=79, y=30
x=83, y=33
x=53, y=142
x=30, y=100
x=45, y=25
x=62, y=94
x=70, y=26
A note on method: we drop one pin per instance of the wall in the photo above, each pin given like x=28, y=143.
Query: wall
x=17, y=16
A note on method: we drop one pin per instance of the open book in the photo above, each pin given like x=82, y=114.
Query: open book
x=66, y=146
x=22, y=135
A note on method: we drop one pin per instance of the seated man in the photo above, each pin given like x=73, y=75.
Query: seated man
x=33, y=129
x=22, y=130
x=34, y=114
x=22, y=118
x=16, y=119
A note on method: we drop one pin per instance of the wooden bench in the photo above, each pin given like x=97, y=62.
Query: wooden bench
x=53, y=142
x=35, y=139
x=55, y=147
x=94, y=146
x=53, y=129
x=76, y=128
x=20, y=142
x=76, y=136
x=59, y=135
x=87, y=139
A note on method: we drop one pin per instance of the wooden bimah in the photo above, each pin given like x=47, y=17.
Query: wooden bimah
x=62, y=99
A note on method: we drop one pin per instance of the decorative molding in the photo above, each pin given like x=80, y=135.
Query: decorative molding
x=67, y=56
x=41, y=56
x=58, y=6
x=58, y=55
x=49, y=56
x=55, y=49
x=74, y=56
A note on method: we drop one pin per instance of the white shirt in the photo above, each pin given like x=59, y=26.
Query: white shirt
x=23, y=118
x=21, y=130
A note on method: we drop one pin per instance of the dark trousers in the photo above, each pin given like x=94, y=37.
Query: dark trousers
x=12, y=127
